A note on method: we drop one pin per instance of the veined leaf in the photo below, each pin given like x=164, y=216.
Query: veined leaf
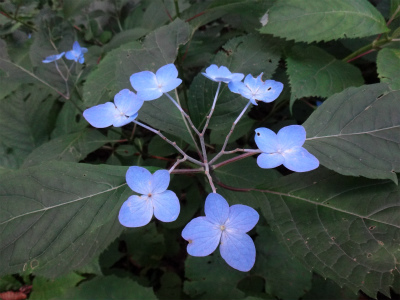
x=388, y=63
x=344, y=228
x=357, y=132
x=314, y=72
x=56, y=217
x=323, y=20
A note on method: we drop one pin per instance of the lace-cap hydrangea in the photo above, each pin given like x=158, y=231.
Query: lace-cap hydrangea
x=284, y=148
x=256, y=89
x=222, y=74
x=150, y=86
x=121, y=112
x=76, y=53
x=227, y=225
x=52, y=58
x=155, y=198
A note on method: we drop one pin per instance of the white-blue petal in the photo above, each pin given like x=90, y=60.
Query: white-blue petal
x=127, y=102
x=149, y=94
x=238, y=250
x=291, y=136
x=237, y=77
x=121, y=120
x=203, y=237
x=143, y=81
x=159, y=181
x=269, y=91
x=299, y=159
x=71, y=55
x=234, y=86
x=216, y=209
x=166, y=73
x=139, y=180
x=242, y=218
x=166, y=206
x=81, y=59
x=135, y=212
x=266, y=140
x=211, y=72
x=209, y=77
x=252, y=83
x=171, y=85
x=270, y=160
x=76, y=47
x=100, y=116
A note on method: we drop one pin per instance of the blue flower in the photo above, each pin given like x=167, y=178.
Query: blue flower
x=150, y=86
x=256, y=89
x=227, y=225
x=76, y=53
x=138, y=210
x=318, y=103
x=284, y=148
x=222, y=74
x=52, y=58
x=121, y=112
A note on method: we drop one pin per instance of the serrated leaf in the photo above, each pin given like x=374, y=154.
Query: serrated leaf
x=323, y=20
x=72, y=147
x=344, y=228
x=388, y=64
x=58, y=216
x=357, y=132
x=314, y=72
x=159, y=48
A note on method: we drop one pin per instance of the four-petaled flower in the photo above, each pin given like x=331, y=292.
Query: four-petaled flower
x=222, y=74
x=228, y=225
x=76, y=53
x=121, y=112
x=52, y=58
x=284, y=148
x=256, y=89
x=138, y=210
x=150, y=86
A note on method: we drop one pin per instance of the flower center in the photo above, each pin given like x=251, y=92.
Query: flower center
x=149, y=195
x=222, y=227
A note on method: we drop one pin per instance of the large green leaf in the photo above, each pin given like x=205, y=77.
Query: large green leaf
x=388, y=63
x=323, y=20
x=357, y=132
x=314, y=72
x=158, y=49
x=344, y=228
x=247, y=54
x=56, y=217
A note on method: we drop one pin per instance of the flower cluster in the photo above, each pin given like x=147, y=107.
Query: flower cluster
x=222, y=225
x=76, y=54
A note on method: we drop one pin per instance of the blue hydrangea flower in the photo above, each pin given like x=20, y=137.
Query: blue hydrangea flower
x=284, y=148
x=76, y=53
x=52, y=58
x=155, y=198
x=150, y=86
x=256, y=89
x=121, y=112
x=222, y=74
x=318, y=103
x=227, y=225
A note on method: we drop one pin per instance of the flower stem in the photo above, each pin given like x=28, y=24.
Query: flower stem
x=375, y=45
x=231, y=160
x=212, y=109
x=177, y=163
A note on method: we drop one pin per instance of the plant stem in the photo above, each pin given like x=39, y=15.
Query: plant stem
x=231, y=160
x=177, y=163
x=366, y=49
x=187, y=171
x=212, y=109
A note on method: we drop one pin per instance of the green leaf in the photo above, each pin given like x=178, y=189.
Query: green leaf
x=388, y=63
x=43, y=288
x=325, y=289
x=57, y=216
x=394, y=6
x=247, y=54
x=71, y=7
x=314, y=72
x=344, y=228
x=72, y=147
x=277, y=266
x=323, y=20
x=69, y=120
x=357, y=132
x=109, y=287
x=9, y=282
x=159, y=48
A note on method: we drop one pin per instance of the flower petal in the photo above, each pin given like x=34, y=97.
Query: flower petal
x=291, y=136
x=269, y=91
x=127, y=102
x=216, y=209
x=84, y=50
x=166, y=73
x=160, y=181
x=76, y=47
x=100, y=116
x=143, y=81
x=166, y=206
x=139, y=180
x=81, y=59
x=203, y=237
x=234, y=86
x=237, y=77
x=242, y=218
x=266, y=140
x=252, y=83
x=121, y=120
x=270, y=160
x=238, y=250
x=299, y=159
x=71, y=55
x=150, y=94
x=136, y=211
x=171, y=85
x=211, y=72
